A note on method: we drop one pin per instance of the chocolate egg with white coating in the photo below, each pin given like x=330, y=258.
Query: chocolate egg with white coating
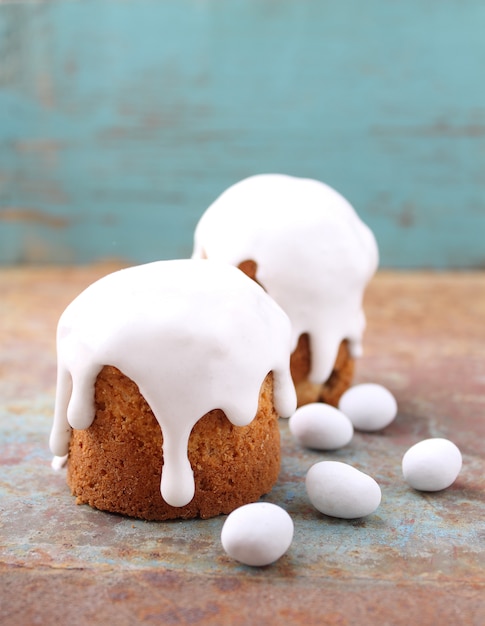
x=432, y=464
x=341, y=490
x=257, y=534
x=369, y=406
x=321, y=427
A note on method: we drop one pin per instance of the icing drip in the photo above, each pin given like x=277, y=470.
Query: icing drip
x=193, y=335
x=314, y=256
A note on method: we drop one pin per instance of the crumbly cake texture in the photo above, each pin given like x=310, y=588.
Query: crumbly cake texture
x=331, y=390
x=115, y=464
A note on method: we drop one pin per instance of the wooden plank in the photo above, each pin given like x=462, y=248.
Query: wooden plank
x=124, y=120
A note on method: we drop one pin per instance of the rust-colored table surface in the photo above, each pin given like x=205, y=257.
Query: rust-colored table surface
x=419, y=559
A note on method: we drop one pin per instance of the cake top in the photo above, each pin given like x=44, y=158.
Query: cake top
x=314, y=256
x=193, y=335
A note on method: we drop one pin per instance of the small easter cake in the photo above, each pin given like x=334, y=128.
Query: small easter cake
x=171, y=379
x=308, y=248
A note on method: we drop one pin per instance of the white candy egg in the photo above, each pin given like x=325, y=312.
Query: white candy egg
x=369, y=406
x=321, y=426
x=340, y=490
x=257, y=534
x=432, y=464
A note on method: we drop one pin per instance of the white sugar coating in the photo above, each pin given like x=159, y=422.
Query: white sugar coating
x=314, y=256
x=432, y=464
x=193, y=336
x=321, y=427
x=58, y=462
x=340, y=490
x=369, y=406
x=257, y=534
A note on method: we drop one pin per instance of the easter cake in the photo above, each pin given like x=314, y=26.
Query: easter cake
x=308, y=248
x=171, y=379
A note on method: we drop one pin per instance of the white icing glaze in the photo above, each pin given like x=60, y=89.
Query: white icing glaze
x=314, y=256
x=58, y=462
x=193, y=335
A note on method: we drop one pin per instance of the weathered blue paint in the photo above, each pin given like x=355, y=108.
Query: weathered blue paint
x=126, y=119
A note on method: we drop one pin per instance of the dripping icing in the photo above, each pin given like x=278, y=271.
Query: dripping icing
x=221, y=332
x=314, y=256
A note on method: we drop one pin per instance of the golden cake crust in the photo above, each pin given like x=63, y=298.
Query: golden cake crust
x=115, y=464
x=339, y=380
x=336, y=384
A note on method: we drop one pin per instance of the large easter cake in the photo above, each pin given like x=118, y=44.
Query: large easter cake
x=171, y=379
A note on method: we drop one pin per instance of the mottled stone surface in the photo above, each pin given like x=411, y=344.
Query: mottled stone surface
x=418, y=559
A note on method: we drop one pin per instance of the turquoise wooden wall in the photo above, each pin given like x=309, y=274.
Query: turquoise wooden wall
x=120, y=121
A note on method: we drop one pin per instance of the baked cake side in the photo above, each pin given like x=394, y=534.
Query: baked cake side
x=115, y=464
